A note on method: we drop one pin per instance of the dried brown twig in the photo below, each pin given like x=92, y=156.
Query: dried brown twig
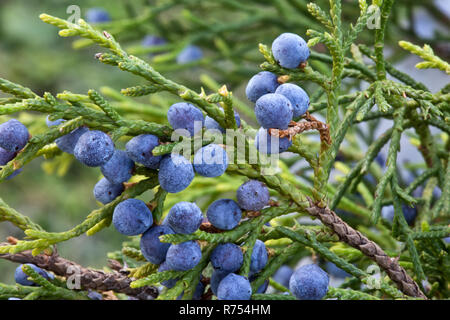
x=92, y=279
x=311, y=123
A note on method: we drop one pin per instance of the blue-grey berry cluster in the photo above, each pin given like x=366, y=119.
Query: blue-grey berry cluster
x=227, y=259
x=133, y=217
x=96, y=149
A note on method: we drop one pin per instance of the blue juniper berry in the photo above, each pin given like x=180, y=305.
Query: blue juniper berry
x=273, y=110
x=227, y=257
x=212, y=124
x=183, y=256
x=105, y=191
x=211, y=161
x=68, y=142
x=151, y=247
x=283, y=275
x=175, y=173
x=253, y=195
x=140, y=148
x=224, y=214
x=297, y=96
x=97, y=15
x=259, y=257
x=260, y=84
x=119, y=168
x=185, y=116
x=94, y=148
x=185, y=217
x=189, y=54
x=22, y=278
x=234, y=287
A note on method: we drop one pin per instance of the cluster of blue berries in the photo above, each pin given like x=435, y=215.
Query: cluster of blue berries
x=277, y=105
x=226, y=259
x=96, y=149
x=133, y=217
x=175, y=173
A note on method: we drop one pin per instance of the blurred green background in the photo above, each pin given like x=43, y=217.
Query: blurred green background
x=32, y=54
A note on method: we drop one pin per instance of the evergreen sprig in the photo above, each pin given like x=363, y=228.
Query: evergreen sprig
x=345, y=241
